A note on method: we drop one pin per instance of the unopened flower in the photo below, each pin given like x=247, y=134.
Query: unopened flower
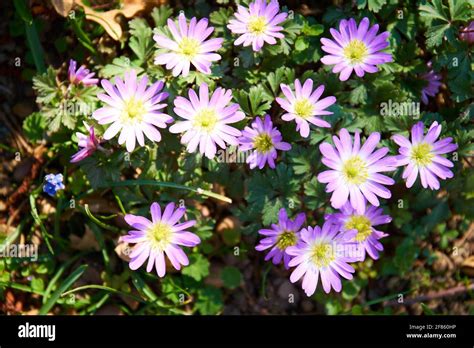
x=367, y=236
x=258, y=24
x=159, y=237
x=207, y=118
x=323, y=253
x=264, y=140
x=54, y=183
x=304, y=105
x=423, y=155
x=355, y=48
x=88, y=144
x=467, y=33
x=433, y=83
x=355, y=170
x=133, y=109
x=81, y=75
x=281, y=236
x=188, y=45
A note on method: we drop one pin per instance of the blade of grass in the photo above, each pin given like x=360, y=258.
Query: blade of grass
x=32, y=36
x=34, y=214
x=82, y=36
x=146, y=291
x=12, y=236
x=20, y=287
x=66, y=284
x=168, y=185
x=143, y=288
x=100, y=240
x=105, y=288
x=94, y=307
x=58, y=274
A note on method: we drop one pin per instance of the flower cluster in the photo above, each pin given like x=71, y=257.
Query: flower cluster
x=135, y=108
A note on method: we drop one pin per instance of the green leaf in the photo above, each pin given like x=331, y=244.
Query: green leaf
x=231, y=277
x=160, y=14
x=255, y=102
x=198, y=267
x=34, y=126
x=350, y=290
x=435, y=34
x=301, y=43
x=281, y=75
x=460, y=10
x=66, y=284
x=358, y=95
x=46, y=87
x=313, y=30
x=273, y=190
x=434, y=10
x=209, y=301
x=37, y=284
x=119, y=66
x=373, y=5
x=141, y=42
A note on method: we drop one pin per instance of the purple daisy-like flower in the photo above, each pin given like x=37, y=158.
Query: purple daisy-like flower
x=323, y=253
x=304, y=105
x=281, y=236
x=355, y=48
x=423, y=155
x=81, y=75
x=265, y=140
x=188, y=45
x=87, y=143
x=367, y=236
x=163, y=235
x=133, y=109
x=433, y=83
x=207, y=120
x=355, y=170
x=258, y=24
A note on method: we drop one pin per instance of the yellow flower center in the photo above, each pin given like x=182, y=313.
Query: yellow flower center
x=189, y=47
x=286, y=239
x=257, y=25
x=363, y=226
x=356, y=51
x=421, y=154
x=322, y=254
x=160, y=235
x=355, y=170
x=263, y=143
x=206, y=120
x=303, y=108
x=133, y=110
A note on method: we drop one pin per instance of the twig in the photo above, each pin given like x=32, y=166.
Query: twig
x=457, y=290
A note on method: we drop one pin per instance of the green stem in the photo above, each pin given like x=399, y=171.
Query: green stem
x=103, y=287
x=169, y=185
x=98, y=222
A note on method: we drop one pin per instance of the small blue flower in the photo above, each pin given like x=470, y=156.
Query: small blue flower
x=53, y=184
